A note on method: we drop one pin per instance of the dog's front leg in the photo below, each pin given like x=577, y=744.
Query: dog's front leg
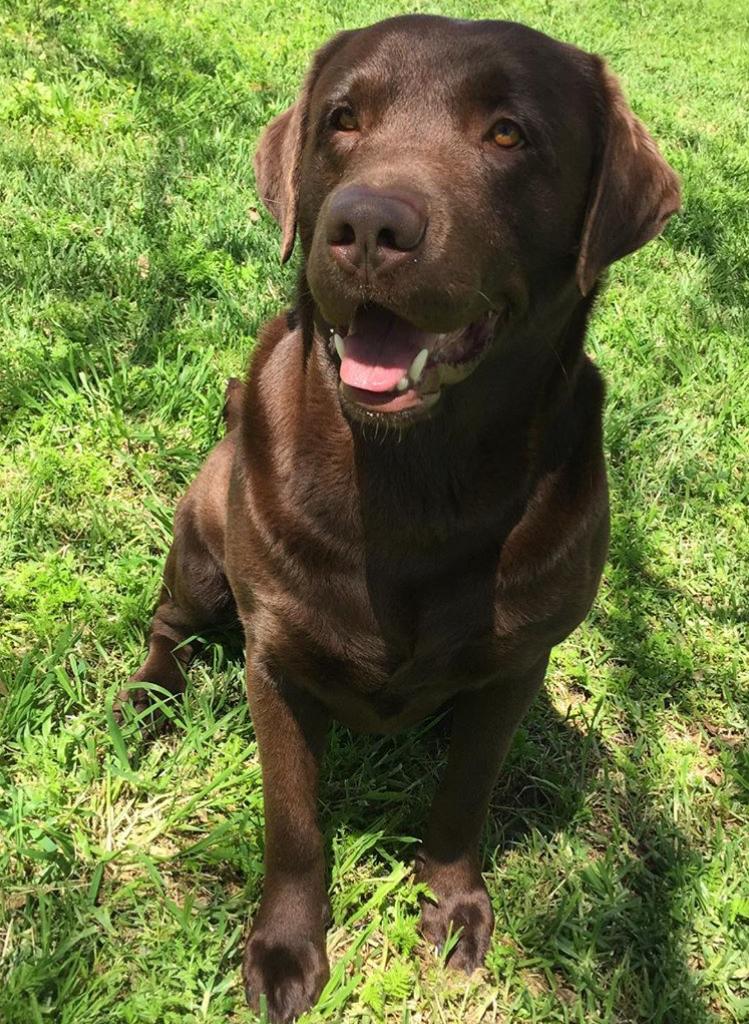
x=484, y=723
x=285, y=957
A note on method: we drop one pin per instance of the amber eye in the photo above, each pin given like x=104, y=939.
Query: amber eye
x=345, y=120
x=507, y=134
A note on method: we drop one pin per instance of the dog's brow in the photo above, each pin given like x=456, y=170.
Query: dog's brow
x=352, y=88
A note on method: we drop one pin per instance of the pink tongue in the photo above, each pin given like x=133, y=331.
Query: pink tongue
x=379, y=351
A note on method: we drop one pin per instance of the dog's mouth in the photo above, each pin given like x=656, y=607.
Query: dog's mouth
x=387, y=365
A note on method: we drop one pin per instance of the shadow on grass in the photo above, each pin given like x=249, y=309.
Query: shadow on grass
x=637, y=931
x=635, y=919
x=644, y=925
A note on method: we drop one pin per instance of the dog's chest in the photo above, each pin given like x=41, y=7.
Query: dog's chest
x=387, y=611
x=382, y=647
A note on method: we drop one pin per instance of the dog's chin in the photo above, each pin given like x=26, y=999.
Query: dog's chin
x=394, y=373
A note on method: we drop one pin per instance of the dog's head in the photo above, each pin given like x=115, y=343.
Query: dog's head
x=450, y=180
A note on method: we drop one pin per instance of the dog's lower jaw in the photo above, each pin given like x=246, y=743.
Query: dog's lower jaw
x=377, y=345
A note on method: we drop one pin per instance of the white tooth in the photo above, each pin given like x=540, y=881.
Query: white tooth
x=339, y=346
x=416, y=368
x=403, y=383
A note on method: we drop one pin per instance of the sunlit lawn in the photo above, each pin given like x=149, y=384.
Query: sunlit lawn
x=135, y=271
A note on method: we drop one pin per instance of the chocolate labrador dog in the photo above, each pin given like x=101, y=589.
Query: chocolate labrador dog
x=410, y=508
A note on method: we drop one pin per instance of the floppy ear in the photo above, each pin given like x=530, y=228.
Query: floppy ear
x=279, y=152
x=633, y=193
x=276, y=170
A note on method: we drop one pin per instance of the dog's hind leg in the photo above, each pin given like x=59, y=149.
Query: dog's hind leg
x=195, y=594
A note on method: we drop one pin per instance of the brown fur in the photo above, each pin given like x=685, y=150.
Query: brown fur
x=384, y=570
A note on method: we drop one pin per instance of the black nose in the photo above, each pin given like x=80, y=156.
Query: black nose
x=370, y=230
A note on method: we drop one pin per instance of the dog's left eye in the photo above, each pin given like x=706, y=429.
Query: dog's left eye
x=344, y=120
x=507, y=134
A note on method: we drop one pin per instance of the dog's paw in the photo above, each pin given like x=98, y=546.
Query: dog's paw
x=467, y=911
x=166, y=670
x=290, y=971
x=138, y=702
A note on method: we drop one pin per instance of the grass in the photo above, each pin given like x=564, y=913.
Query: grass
x=135, y=272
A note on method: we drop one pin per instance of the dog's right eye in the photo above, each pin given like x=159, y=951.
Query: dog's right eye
x=507, y=134
x=343, y=119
